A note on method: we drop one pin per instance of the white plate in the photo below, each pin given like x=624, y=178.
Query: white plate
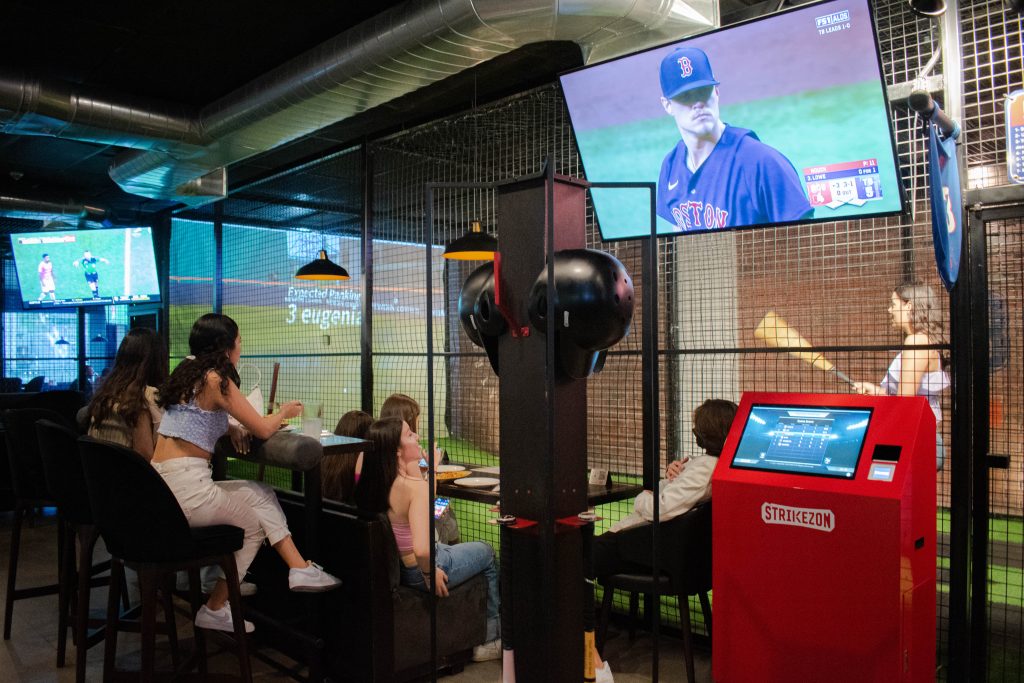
x=495, y=470
x=477, y=482
x=449, y=468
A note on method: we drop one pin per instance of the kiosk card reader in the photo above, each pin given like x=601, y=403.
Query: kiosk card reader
x=824, y=540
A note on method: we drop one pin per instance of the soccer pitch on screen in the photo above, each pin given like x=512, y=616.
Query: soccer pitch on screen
x=125, y=263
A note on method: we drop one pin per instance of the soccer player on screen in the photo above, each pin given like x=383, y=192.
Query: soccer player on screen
x=46, y=283
x=718, y=176
x=92, y=276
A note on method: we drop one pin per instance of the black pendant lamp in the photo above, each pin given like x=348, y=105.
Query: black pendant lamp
x=475, y=245
x=322, y=268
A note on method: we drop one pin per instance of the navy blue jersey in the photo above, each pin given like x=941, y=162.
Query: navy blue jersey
x=742, y=182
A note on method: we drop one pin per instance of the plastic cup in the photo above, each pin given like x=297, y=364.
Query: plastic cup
x=312, y=418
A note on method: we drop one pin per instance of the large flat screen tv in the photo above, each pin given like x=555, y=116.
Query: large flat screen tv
x=803, y=440
x=85, y=267
x=775, y=121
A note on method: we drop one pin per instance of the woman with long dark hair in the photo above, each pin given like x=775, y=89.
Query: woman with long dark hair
x=340, y=474
x=198, y=397
x=387, y=486
x=406, y=408
x=124, y=408
x=916, y=372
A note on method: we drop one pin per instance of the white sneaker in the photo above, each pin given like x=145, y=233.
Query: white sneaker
x=219, y=620
x=604, y=675
x=487, y=651
x=311, y=579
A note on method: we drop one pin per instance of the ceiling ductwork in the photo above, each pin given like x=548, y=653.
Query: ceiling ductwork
x=40, y=209
x=182, y=156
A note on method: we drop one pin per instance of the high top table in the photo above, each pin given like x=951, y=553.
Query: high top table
x=300, y=454
x=597, y=494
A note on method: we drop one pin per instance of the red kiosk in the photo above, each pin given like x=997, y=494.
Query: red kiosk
x=824, y=541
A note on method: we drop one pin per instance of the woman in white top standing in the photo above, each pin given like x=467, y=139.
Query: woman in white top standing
x=916, y=371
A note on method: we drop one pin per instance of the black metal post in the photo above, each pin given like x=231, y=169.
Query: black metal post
x=218, y=257
x=81, y=347
x=162, y=246
x=961, y=475
x=429, y=309
x=977, y=265
x=366, y=254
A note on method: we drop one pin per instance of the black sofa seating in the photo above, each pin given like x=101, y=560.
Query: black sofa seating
x=385, y=627
x=372, y=628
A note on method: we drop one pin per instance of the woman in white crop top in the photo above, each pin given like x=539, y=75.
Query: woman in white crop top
x=915, y=371
x=198, y=396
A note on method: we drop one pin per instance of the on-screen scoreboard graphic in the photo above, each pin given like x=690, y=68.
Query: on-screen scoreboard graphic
x=851, y=182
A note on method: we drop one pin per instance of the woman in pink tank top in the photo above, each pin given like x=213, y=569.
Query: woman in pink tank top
x=387, y=486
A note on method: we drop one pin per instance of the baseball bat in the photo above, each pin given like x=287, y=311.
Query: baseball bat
x=776, y=332
x=273, y=389
x=589, y=581
x=508, y=654
x=261, y=471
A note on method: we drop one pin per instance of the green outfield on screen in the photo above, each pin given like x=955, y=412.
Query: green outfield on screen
x=815, y=127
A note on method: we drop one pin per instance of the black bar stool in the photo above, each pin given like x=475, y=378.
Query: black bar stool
x=145, y=529
x=62, y=464
x=30, y=491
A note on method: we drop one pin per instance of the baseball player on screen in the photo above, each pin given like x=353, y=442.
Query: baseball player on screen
x=718, y=176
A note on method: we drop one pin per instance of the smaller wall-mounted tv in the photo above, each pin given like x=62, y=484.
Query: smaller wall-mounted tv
x=775, y=121
x=85, y=267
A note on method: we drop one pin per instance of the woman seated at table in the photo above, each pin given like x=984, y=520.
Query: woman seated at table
x=387, y=486
x=406, y=408
x=340, y=473
x=198, y=397
x=123, y=410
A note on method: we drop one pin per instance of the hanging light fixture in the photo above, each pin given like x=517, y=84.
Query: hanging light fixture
x=62, y=342
x=322, y=268
x=99, y=338
x=475, y=245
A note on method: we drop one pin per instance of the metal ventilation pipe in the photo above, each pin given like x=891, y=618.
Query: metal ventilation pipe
x=24, y=207
x=179, y=157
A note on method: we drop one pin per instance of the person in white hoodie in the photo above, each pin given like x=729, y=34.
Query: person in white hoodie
x=687, y=483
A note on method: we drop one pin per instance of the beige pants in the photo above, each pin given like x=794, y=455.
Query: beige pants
x=250, y=505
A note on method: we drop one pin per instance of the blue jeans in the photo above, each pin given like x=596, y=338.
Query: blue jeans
x=461, y=563
x=940, y=451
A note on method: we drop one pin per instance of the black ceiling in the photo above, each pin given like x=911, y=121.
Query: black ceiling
x=192, y=53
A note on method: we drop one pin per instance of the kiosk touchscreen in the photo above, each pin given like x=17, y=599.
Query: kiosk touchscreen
x=803, y=440
x=824, y=540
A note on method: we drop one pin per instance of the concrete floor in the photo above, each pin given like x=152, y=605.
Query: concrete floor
x=30, y=654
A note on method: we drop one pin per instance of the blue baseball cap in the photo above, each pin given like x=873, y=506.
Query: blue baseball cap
x=685, y=68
